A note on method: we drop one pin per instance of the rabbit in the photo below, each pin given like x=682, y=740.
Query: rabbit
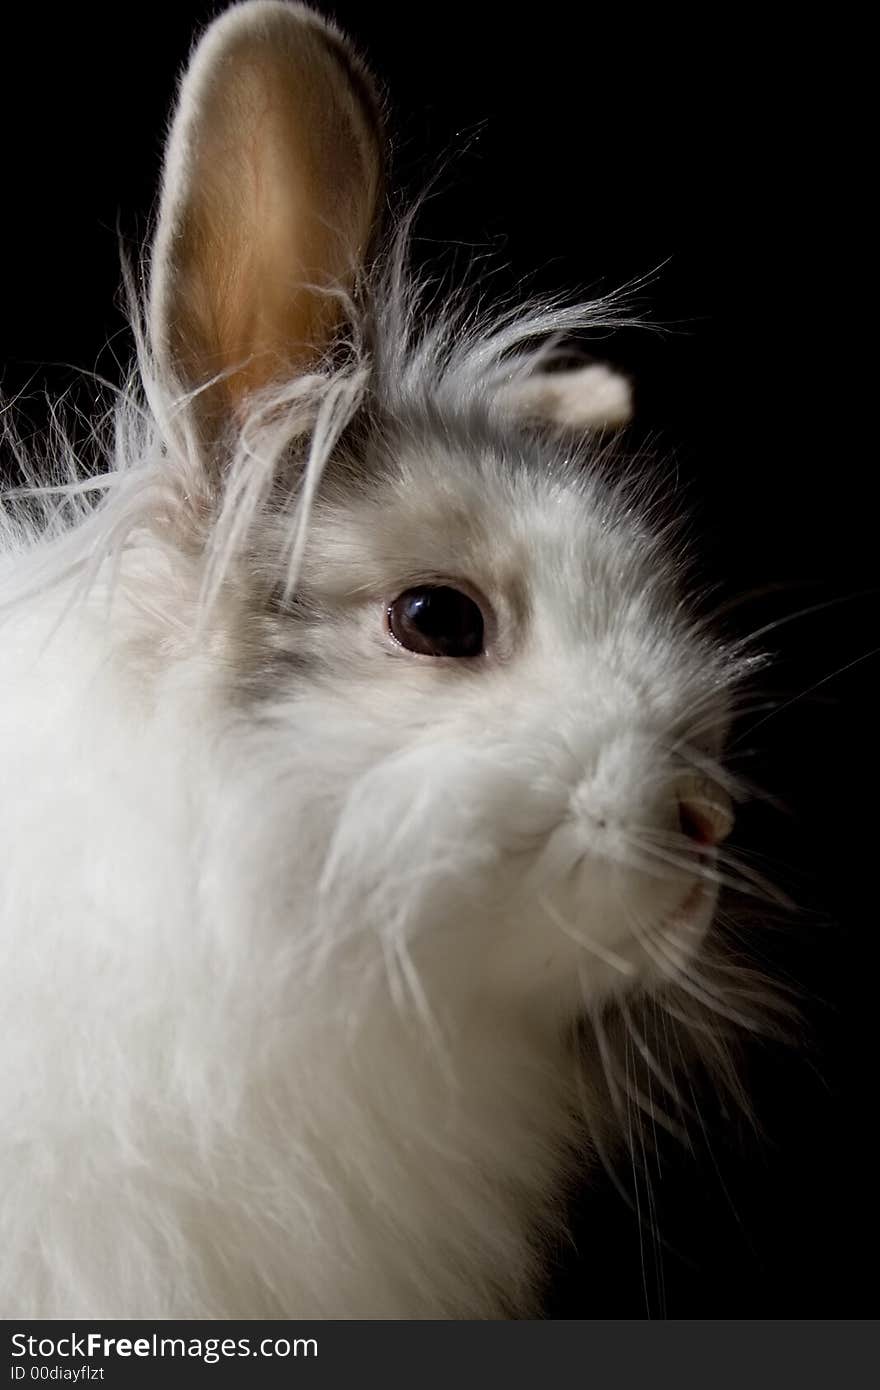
x=356, y=746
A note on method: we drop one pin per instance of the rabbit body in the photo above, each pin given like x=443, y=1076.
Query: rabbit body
x=298, y=922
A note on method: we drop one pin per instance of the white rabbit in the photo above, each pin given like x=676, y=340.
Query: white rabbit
x=354, y=746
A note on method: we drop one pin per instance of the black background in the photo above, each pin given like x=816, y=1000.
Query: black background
x=727, y=150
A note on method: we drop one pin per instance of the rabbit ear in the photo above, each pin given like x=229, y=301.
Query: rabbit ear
x=272, y=180
x=583, y=398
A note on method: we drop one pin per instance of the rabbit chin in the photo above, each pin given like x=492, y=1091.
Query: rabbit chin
x=583, y=946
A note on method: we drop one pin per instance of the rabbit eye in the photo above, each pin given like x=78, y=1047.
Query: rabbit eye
x=437, y=621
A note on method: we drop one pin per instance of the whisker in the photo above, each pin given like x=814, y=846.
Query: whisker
x=750, y=638
x=688, y=865
x=411, y=978
x=675, y=969
x=817, y=685
x=594, y=1130
x=648, y=1058
x=653, y=1111
x=732, y=605
x=728, y=858
x=649, y=1192
x=603, y=953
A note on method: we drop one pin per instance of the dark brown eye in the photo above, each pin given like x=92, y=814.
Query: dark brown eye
x=437, y=621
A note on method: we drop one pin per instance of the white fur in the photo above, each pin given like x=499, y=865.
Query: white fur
x=296, y=926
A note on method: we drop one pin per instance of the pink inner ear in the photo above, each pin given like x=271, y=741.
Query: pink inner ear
x=271, y=191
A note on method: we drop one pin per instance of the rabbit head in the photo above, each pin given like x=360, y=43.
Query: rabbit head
x=472, y=735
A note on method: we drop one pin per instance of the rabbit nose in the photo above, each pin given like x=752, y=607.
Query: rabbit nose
x=705, y=811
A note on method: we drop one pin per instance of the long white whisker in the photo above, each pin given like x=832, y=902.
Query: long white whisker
x=595, y=948
x=648, y=1057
